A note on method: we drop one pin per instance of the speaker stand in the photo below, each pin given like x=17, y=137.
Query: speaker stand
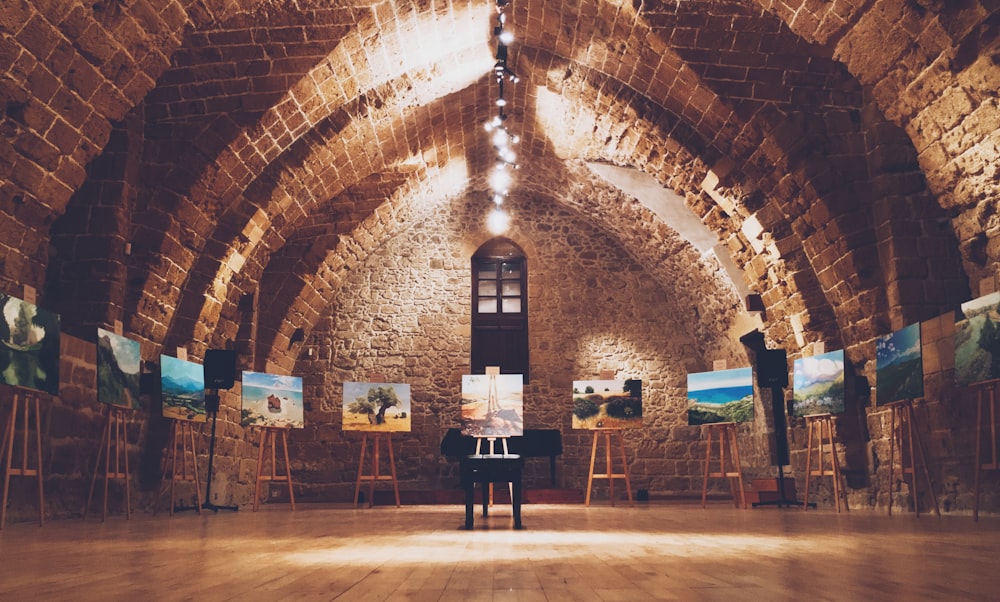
x=781, y=445
x=211, y=407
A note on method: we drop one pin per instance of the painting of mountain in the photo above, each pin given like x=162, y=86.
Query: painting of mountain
x=977, y=341
x=818, y=384
x=270, y=400
x=117, y=370
x=182, y=387
x=607, y=404
x=899, y=370
x=720, y=396
x=29, y=346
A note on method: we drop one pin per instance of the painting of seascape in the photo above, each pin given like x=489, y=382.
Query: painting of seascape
x=492, y=406
x=720, y=396
x=182, y=387
x=977, y=341
x=899, y=369
x=271, y=400
x=818, y=384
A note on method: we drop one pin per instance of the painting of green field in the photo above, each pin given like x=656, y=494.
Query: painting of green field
x=818, y=384
x=376, y=407
x=720, y=396
x=610, y=404
x=977, y=341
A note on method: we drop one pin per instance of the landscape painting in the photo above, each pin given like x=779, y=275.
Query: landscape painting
x=818, y=384
x=899, y=370
x=270, y=400
x=118, y=362
x=492, y=406
x=29, y=346
x=377, y=407
x=977, y=341
x=607, y=404
x=720, y=396
x=182, y=386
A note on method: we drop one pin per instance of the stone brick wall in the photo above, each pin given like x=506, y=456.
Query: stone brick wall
x=591, y=307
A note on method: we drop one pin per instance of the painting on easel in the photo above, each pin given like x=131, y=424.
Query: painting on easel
x=720, y=396
x=818, y=384
x=29, y=346
x=607, y=404
x=493, y=405
x=376, y=407
x=117, y=370
x=899, y=369
x=271, y=400
x=977, y=341
x=182, y=387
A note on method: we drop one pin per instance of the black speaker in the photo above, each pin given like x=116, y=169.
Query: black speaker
x=772, y=368
x=220, y=368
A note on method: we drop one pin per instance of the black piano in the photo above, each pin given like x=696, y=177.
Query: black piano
x=535, y=443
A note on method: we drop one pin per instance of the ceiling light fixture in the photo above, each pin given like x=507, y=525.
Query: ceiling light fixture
x=501, y=138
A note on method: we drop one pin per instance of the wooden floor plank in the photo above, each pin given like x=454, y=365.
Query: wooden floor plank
x=568, y=552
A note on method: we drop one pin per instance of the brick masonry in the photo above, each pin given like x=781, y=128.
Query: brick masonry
x=163, y=162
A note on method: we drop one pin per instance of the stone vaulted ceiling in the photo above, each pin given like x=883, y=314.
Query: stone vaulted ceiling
x=162, y=160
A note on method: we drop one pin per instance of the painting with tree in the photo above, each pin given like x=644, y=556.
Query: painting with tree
x=118, y=363
x=977, y=341
x=899, y=367
x=377, y=407
x=492, y=405
x=271, y=400
x=607, y=404
x=29, y=346
x=720, y=396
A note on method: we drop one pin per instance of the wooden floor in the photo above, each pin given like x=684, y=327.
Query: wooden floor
x=659, y=551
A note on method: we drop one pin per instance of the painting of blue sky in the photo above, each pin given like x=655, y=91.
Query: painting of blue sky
x=899, y=370
x=720, y=396
x=818, y=384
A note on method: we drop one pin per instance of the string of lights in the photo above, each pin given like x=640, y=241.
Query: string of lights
x=502, y=139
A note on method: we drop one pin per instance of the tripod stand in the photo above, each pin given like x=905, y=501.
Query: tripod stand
x=211, y=407
x=781, y=451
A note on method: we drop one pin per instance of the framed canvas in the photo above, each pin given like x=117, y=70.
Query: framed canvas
x=376, y=407
x=818, y=384
x=492, y=405
x=607, y=404
x=182, y=387
x=977, y=341
x=271, y=400
x=29, y=346
x=118, y=361
x=899, y=369
x=720, y=396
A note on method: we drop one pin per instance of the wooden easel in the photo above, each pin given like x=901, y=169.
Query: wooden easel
x=725, y=433
x=269, y=434
x=26, y=401
x=905, y=438
x=610, y=475
x=182, y=435
x=821, y=425
x=987, y=397
x=376, y=459
x=113, y=442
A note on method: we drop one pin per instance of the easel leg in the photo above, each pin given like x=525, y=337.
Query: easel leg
x=893, y=437
x=123, y=450
x=809, y=453
x=264, y=433
x=923, y=464
x=838, y=490
x=376, y=460
x=38, y=457
x=708, y=462
x=979, y=448
x=8, y=449
x=194, y=464
x=361, y=465
x=105, y=434
x=628, y=481
x=608, y=465
x=288, y=468
x=735, y=456
x=392, y=467
x=590, y=480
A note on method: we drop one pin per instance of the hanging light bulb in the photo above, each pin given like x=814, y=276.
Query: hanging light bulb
x=498, y=221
